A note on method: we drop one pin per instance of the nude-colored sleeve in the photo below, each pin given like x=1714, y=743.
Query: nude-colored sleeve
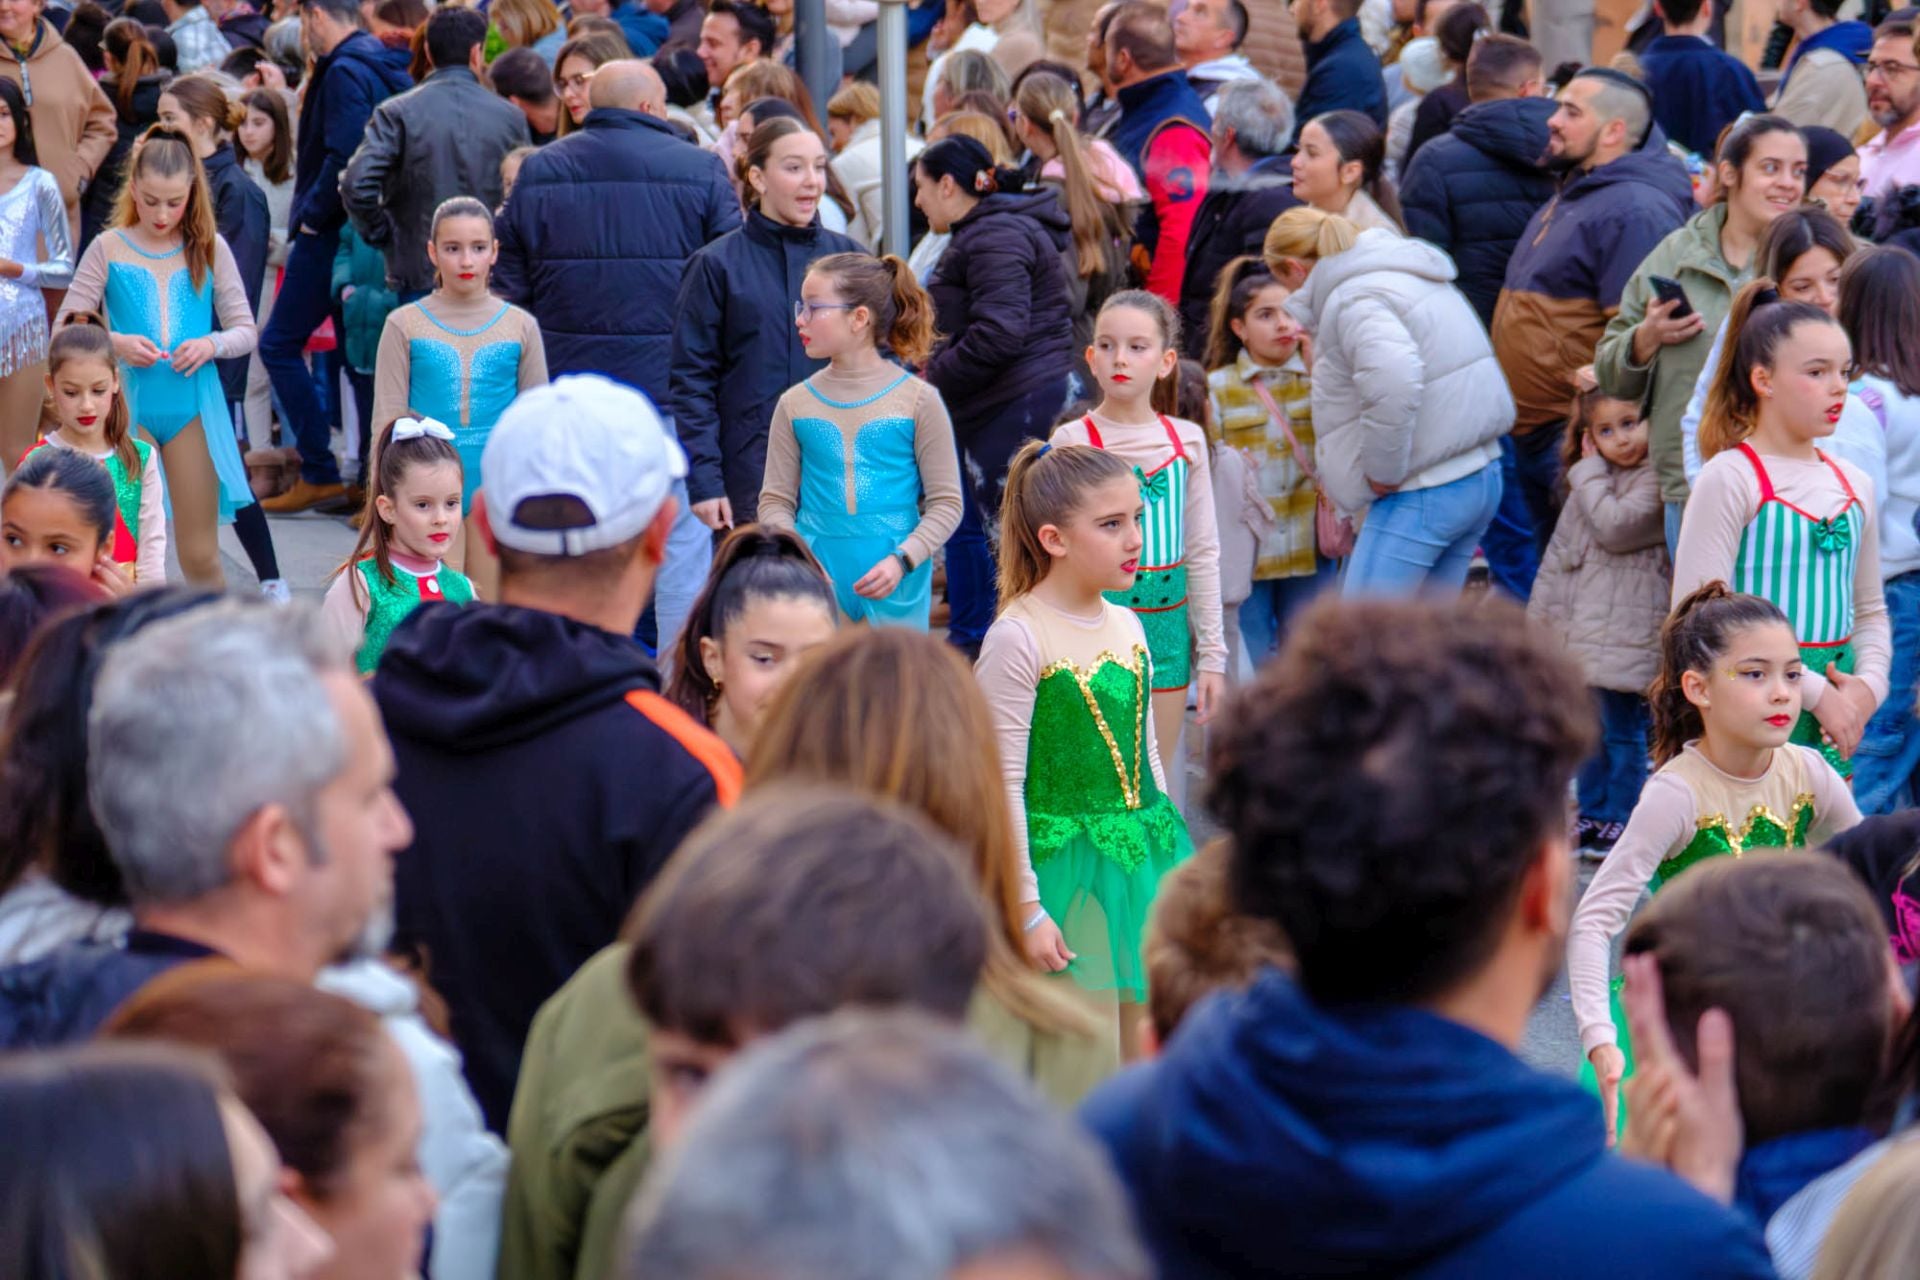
x=236, y=335
x=88, y=292
x=1203, y=554
x=1009, y=673
x=1872, y=626
x=939, y=462
x=780, y=484
x=1718, y=512
x=1661, y=821
x=533, y=354
x=1834, y=808
x=1074, y=432
x=341, y=611
x=393, y=375
x=150, y=558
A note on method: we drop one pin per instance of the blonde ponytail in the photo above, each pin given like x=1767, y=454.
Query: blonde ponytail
x=1307, y=234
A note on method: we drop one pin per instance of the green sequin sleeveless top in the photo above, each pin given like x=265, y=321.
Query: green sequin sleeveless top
x=1088, y=773
x=388, y=603
x=1735, y=818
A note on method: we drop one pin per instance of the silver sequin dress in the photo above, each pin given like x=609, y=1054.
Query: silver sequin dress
x=29, y=214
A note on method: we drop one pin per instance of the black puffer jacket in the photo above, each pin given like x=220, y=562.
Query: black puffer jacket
x=597, y=235
x=736, y=351
x=441, y=139
x=1472, y=190
x=1000, y=302
x=130, y=120
x=1232, y=221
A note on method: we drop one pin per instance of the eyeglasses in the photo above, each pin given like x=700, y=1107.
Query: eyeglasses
x=805, y=311
x=1891, y=69
x=564, y=83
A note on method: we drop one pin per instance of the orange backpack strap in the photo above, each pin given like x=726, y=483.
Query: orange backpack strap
x=700, y=742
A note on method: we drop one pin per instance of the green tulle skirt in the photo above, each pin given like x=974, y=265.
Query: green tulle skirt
x=1102, y=906
x=1589, y=1079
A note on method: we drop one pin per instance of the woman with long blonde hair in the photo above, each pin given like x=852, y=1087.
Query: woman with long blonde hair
x=898, y=713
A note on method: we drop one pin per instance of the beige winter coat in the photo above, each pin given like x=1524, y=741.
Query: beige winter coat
x=73, y=120
x=1604, y=584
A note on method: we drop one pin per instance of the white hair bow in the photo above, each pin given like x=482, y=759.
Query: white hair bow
x=413, y=428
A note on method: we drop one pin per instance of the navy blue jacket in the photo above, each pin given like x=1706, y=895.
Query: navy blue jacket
x=644, y=29
x=1000, y=305
x=1279, y=1138
x=1342, y=73
x=1697, y=90
x=548, y=784
x=736, y=351
x=1232, y=221
x=596, y=236
x=1472, y=190
x=341, y=93
x=64, y=996
x=240, y=212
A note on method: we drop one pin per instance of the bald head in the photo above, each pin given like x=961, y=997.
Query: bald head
x=630, y=85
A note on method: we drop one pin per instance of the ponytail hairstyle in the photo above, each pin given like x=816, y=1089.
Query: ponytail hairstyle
x=758, y=146
x=163, y=153
x=458, y=207
x=1308, y=234
x=278, y=165
x=1694, y=637
x=1240, y=283
x=84, y=481
x=1046, y=484
x=754, y=563
x=968, y=162
x=83, y=335
x=127, y=43
x=1736, y=146
x=1166, y=391
x=392, y=460
x=202, y=98
x=1356, y=137
x=900, y=310
x=1050, y=105
x=1756, y=326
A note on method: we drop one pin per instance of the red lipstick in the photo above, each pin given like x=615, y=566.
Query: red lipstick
x=1780, y=721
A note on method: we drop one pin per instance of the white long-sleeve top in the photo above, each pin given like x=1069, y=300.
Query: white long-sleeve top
x=150, y=557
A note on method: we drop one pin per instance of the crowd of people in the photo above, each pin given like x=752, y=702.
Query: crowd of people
x=1068, y=746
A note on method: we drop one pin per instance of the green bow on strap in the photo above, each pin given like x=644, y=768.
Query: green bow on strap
x=1152, y=487
x=1833, y=535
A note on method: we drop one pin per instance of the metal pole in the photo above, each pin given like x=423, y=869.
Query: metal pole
x=818, y=52
x=894, y=113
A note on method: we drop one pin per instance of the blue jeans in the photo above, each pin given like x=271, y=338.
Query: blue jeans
x=1421, y=542
x=1512, y=561
x=1264, y=614
x=1889, y=754
x=1674, y=512
x=1609, y=783
x=970, y=586
x=305, y=301
x=682, y=574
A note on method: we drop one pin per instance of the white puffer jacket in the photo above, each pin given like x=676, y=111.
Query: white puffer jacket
x=1406, y=391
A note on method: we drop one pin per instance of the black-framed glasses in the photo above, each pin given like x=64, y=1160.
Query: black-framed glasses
x=804, y=311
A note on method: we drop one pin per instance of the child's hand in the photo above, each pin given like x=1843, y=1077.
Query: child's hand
x=1696, y=1114
x=878, y=582
x=111, y=578
x=191, y=354
x=1844, y=711
x=135, y=350
x=1046, y=949
x=1609, y=1064
x=1210, y=691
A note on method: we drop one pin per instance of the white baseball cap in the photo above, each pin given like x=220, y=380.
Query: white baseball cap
x=587, y=438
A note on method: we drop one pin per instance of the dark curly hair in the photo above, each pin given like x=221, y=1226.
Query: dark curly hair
x=1388, y=780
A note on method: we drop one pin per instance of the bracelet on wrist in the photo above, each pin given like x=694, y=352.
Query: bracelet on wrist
x=1039, y=914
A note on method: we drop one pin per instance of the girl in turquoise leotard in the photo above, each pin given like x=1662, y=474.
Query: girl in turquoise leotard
x=168, y=286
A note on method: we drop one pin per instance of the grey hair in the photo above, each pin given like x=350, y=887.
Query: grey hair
x=1258, y=113
x=198, y=723
x=877, y=1146
x=970, y=70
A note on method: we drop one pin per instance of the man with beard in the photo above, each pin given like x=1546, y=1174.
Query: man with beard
x=1892, y=157
x=1394, y=785
x=1621, y=193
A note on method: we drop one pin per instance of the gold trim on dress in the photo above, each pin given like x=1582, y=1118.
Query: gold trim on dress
x=1802, y=803
x=1136, y=665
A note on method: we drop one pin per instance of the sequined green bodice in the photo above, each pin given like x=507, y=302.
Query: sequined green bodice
x=1087, y=769
x=388, y=604
x=1764, y=829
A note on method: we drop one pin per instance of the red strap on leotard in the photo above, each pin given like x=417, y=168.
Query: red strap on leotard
x=1173, y=437
x=1766, y=481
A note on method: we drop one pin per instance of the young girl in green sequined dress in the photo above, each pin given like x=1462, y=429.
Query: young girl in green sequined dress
x=1724, y=705
x=411, y=517
x=1069, y=678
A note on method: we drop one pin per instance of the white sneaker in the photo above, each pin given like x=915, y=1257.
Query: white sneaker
x=276, y=591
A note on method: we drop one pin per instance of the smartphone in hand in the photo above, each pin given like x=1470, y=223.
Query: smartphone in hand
x=1670, y=291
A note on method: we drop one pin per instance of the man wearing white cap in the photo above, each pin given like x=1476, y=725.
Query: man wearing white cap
x=547, y=777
